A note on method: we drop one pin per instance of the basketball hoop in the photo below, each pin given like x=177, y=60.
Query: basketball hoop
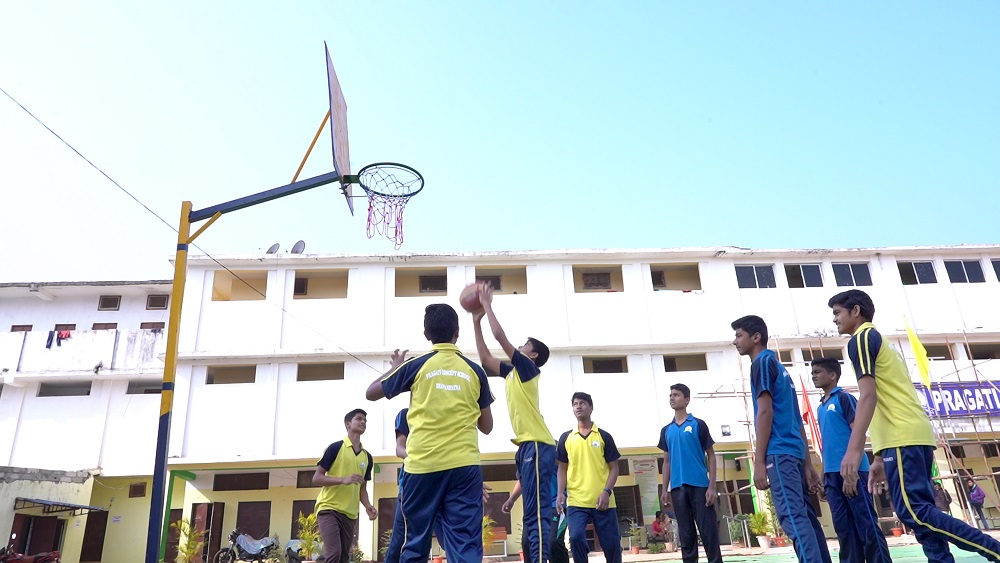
x=389, y=186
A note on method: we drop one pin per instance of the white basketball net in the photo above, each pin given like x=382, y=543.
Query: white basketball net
x=389, y=188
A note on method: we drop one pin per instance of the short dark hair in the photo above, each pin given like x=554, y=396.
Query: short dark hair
x=350, y=416
x=440, y=323
x=658, y=514
x=854, y=298
x=583, y=397
x=829, y=364
x=541, y=349
x=684, y=389
x=752, y=324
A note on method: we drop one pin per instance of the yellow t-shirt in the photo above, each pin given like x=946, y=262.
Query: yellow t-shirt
x=447, y=393
x=899, y=420
x=522, y=400
x=340, y=460
x=587, y=458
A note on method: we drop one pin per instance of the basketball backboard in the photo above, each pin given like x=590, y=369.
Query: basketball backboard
x=338, y=130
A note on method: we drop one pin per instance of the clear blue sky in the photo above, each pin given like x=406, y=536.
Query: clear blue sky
x=538, y=125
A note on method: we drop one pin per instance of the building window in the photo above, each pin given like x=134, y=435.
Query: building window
x=996, y=268
x=109, y=303
x=320, y=372
x=304, y=479
x=421, y=282
x=597, y=279
x=301, y=286
x=605, y=364
x=803, y=275
x=137, y=490
x=104, y=326
x=917, y=273
x=144, y=388
x=152, y=326
x=66, y=389
x=511, y=280
x=852, y=274
x=224, y=375
x=965, y=271
x=749, y=277
x=496, y=282
x=239, y=285
x=320, y=284
x=157, y=302
x=784, y=356
x=20, y=328
x=241, y=482
x=938, y=351
x=685, y=362
x=65, y=327
x=984, y=351
x=810, y=354
x=675, y=277
x=434, y=284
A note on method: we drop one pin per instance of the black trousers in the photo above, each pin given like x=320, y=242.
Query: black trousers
x=689, y=506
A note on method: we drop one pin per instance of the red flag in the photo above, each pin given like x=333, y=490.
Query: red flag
x=809, y=416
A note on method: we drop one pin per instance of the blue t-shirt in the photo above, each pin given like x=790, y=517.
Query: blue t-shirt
x=686, y=443
x=402, y=429
x=835, y=415
x=767, y=375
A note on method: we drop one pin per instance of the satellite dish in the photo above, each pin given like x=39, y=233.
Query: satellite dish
x=299, y=247
x=273, y=248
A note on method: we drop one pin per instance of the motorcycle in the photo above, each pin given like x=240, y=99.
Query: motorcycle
x=243, y=547
x=7, y=555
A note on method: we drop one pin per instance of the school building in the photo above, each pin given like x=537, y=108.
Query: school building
x=275, y=349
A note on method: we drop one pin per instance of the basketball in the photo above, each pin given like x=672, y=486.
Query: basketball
x=469, y=299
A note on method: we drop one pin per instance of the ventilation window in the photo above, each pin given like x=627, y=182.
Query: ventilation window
x=852, y=275
x=421, y=282
x=152, y=326
x=685, y=362
x=496, y=282
x=803, y=275
x=241, y=482
x=239, y=285
x=109, y=303
x=137, y=490
x=750, y=277
x=320, y=372
x=816, y=353
x=20, y=328
x=507, y=280
x=320, y=284
x=938, y=351
x=434, y=284
x=301, y=286
x=65, y=327
x=916, y=273
x=675, y=277
x=605, y=364
x=965, y=271
x=597, y=279
x=984, y=351
x=304, y=479
x=144, y=388
x=224, y=375
x=157, y=302
x=66, y=389
x=104, y=326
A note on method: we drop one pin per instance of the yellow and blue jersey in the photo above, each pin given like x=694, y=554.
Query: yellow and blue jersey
x=835, y=414
x=447, y=393
x=899, y=420
x=587, y=458
x=522, y=377
x=767, y=375
x=341, y=460
x=686, y=443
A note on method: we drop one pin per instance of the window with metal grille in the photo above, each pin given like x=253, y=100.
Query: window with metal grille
x=803, y=275
x=605, y=364
x=917, y=273
x=137, y=490
x=109, y=303
x=852, y=274
x=965, y=271
x=434, y=284
x=750, y=277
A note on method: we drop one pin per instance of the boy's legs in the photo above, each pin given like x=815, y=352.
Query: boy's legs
x=536, y=464
x=419, y=501
x=708, y=525
x=606, y=527
x=843, y=522
x=578, y=519
x=557, y=541
x=908, y=473
x=685, y=511
x=337, y=531
x=866, y=523
x=978, y=508
x=790, y=493
x=462, y=514
x=396, y=539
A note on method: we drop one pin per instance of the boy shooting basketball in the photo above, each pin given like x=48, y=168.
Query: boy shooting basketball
x=536, y=448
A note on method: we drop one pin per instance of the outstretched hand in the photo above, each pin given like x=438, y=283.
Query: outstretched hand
x=486, y=294
x=397, y=358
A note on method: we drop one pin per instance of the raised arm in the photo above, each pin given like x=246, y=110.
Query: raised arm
x=490, y=363
x=486, y=298
x=375, y=390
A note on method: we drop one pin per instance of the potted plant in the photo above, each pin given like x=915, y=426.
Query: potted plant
x=489, y=531
x=760, y=526
x=656, y=547
x=308, y=536
x=736, y=532
x=190, y=541
x=635, y=531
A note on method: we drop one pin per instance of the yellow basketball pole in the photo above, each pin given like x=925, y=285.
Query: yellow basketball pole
x=311, y=145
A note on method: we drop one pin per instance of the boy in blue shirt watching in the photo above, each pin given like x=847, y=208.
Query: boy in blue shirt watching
x=781, y=460
x=687, y=480
x=854, y=518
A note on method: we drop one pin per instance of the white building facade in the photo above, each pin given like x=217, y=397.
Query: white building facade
x=274, y=350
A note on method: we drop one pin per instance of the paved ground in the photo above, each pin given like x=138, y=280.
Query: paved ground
x=903, y=549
